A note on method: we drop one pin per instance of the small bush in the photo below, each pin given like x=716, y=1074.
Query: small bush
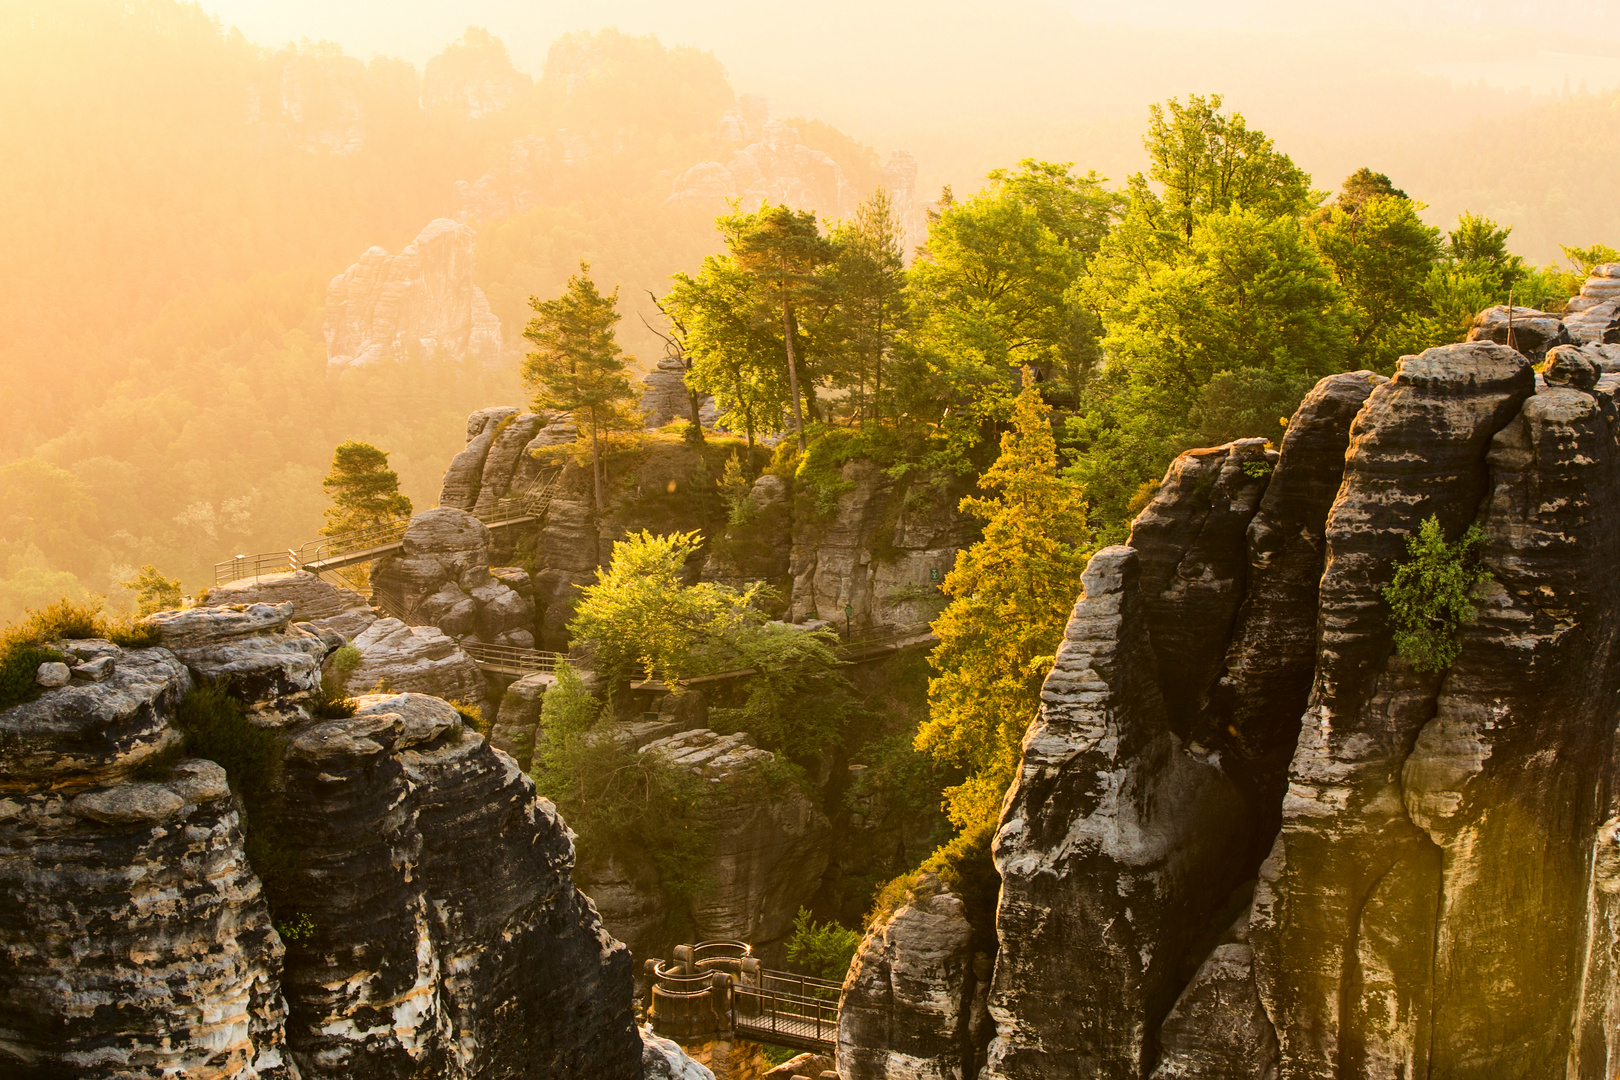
x=472, y=716
x=295, y=927
x=345, y=661
x=822, y=950
x=1430, y=596
x=134, y=635
x=331, y=703
x=19, y=663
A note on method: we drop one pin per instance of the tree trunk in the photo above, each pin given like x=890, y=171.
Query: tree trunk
x=694, y=433
x=596, y=465
x=793, y=371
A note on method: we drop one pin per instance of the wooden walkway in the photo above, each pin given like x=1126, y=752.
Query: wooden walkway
x=718, y=988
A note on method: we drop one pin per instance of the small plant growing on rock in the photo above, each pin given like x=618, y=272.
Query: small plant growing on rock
x=471, y=715
x=344, y=662
x=331, y=703
x=296, y=927
x=1430, y=596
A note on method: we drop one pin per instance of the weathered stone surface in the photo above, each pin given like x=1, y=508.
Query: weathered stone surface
x=1190, y=544
x=465, y=475
x=872, y=556
x=778, y=168
x=665, y=397
x=511, y=438
x=770, y=846
x=52, y=674
x=663, y=1059
x=86, y=734
x=1251, y=715
x=136, y=941
x=1218, y=1029
x=1533, y=332
x=813, y=1066
x=905, y=1006
x=313, y=601
x=1343, y=928
x=255, y=650
x=1570, y=366
x=517, y=723
x=418, y=659
x=423, y=302
x=1115, y=845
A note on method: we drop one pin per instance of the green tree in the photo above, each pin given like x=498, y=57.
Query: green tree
x=1381, y=254
x=872, y=302
x=153, y=592
x=733, y=345
x=783, y=252
x=1431, y=595
x=1011, y=596
x=822, y=950
x=364, y=490
x=577, y=366
x=995, y=278
x=1479, y=247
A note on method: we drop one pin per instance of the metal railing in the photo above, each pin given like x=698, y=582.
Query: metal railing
x=718, y=986
x=883, y=635
x=784, y=1018
x=240, y=567
x=510, y=657
x=335, y=547
x=532, y=503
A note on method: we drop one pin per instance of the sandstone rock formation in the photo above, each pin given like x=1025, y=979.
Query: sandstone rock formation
x=907, y=1003
x=421, y=302
x=442, y=578
x=777, y=168
x=517, y=722
x=881, y=552
x=472, y=78
x=663, y=1059
x=667, y=398
x=768, y=850
x=417, y=659
x=1593, y=317
x=1438, y=895
x=1529, y=331
x=426, y=923
x=314, y=601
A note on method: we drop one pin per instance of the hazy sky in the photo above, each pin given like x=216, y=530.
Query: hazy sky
x=971, y=85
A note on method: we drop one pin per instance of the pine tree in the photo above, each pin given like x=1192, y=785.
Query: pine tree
x=1011, y=596
x=364, y=490
x=577, y=365
x=153, y=592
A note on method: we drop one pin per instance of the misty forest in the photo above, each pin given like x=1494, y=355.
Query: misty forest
x=526, y=562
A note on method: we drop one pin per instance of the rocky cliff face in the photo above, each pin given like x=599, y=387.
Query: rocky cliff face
x=429, y=926
x=421, y=302
x=1248, y=839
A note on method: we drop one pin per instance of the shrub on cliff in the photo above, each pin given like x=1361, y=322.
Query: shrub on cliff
x=1430, y=598
x=364, y=490
x=25, y=644
x=822, y=950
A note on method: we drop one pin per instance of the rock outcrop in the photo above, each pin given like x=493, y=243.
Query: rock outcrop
x=415, y=659
x=442, y=578
x=881, y=551
x=314, y=601
x=907, y=1004
x=406, y=911
x=776, y=168
x=768, y=847
x=1527, y=330
x=1436, y=896
x=423, y=302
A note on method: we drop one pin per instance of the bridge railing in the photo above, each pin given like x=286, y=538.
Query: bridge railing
x=532, y=502
x=510, y=656
x=262, y=564
x=331, y=547
x=882, y=635
x=783, y=1015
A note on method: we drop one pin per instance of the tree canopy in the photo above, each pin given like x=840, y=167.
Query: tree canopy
x=363, y=489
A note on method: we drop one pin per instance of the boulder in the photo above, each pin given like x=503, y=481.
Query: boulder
x=419, y=659
x=517, y=722
x=1532, y=332
x=663, y=1059
x=1218, y=1029
x=52, y=674
x=256, y=650
x=314, y=601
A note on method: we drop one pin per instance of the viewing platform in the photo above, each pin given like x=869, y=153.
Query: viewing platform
x=718, y=989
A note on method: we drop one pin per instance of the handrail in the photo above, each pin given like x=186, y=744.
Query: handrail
x=240, y=567
x=328, y=547
x=510, y=656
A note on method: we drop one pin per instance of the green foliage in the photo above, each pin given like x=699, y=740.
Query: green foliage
x=577, y=366
x=24, y=645
x=331, y=702
x=1246, y=403
x=296, y=927
x=153, y=591
x=822, y=950
x=471, y=715
x=1430, y=597
x=1011, y=594
x=619, y=802
x=363, y=489
x=735, y=485
x=344, y=661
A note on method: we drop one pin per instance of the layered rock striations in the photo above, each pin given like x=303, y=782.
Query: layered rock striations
x=426, y=923
x=1436, y=893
